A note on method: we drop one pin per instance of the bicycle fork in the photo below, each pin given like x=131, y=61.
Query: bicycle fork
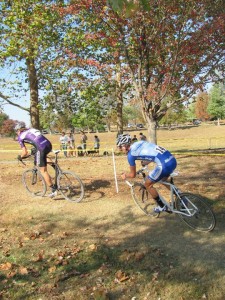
x=34, y=177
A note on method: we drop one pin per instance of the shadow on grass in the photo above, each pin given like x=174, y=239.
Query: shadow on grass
x=95, y=189
x=121, y=257
x=163, y=253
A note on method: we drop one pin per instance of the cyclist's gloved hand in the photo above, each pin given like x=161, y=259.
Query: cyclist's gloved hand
x=19, y=157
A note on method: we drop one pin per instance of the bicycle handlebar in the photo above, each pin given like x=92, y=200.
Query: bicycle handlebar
x=22, y=158
x=141, y=171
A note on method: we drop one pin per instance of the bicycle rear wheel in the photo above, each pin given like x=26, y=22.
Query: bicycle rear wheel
x=34, y=182
x=71, y=186
x=140, y=196
x=196, y=213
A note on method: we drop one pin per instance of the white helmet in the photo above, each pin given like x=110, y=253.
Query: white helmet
x=19, y=126
x=123, y=139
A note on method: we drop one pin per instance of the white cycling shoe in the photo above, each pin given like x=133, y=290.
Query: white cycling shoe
x=159, y=209
x=53, y=194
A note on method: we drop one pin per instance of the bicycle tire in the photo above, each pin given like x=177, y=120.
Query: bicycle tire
x=34, y=182
x=140, y=197
x=203, y=218
x=71, y=186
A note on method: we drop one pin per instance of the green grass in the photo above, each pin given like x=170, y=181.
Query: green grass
x=104, y=247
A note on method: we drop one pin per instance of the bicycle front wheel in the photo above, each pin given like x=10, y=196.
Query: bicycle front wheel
x=71, y=186
x=195, y=212
x=140, y=196
x=34, y=182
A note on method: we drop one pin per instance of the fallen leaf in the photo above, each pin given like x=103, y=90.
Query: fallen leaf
x=23, y=271
x=93, y=247
x=6, y=266
x=155, y=276
x=121, y=276
x=68, y=275
x=34, y=235
x=100, y=294
x=6, y=252
x=40, y=257
x=52, y=269
x=3, y=229
x=139, y=256
x=11, y=274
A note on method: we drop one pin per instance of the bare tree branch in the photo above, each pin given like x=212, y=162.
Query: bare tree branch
x=12, y=103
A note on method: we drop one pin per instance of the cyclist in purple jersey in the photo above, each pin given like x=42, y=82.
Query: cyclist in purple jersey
x=42, y=147
x=148, y=152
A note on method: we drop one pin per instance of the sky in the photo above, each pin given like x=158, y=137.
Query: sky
x=15, y=113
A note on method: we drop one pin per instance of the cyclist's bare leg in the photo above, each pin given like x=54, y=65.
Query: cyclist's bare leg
x=46, y=176
x=149, y=186
x=153, y=192
x=49, y=160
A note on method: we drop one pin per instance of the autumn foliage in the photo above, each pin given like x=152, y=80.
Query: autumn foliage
x=201, y=105
x=169, y=51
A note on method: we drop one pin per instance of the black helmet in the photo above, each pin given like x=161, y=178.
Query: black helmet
x=19, y=125
x=123, y=139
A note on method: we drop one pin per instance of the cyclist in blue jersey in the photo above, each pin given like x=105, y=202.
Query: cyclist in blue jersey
x=148, y=152
x=42, y=147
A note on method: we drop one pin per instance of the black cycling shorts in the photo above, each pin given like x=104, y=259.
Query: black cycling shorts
x=41, y=157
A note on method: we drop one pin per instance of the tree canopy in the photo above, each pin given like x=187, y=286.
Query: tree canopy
x=216, y=106
x=164, y=52
x=30, y=32
x=169, y=51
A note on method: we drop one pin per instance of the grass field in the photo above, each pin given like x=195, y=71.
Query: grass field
x=186, y=139
x=104, y=247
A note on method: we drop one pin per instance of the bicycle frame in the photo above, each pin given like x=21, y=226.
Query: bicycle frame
x=52, y=162
x=174, y=192
x=54, y=165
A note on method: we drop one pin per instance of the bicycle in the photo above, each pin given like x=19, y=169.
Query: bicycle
x=67, y=183
x=192, y=209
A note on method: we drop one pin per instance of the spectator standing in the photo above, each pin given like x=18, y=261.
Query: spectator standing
x=134, y=139
x=64, y=143
x=83, y=141
x=142, y=137
x=71, y=144
x=97, y=143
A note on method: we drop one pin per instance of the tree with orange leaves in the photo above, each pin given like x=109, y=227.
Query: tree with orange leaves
x=168, y=51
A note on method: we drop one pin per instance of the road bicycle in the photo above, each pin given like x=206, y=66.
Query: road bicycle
x=192, y=209
x=67, y=183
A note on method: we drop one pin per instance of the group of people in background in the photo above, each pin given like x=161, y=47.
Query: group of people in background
x=142, y=137
x=67, y=143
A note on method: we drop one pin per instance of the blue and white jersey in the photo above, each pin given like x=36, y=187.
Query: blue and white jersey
x=148, y=151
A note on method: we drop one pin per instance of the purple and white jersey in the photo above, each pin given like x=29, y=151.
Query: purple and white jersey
x=148, y=151
x=34, y=137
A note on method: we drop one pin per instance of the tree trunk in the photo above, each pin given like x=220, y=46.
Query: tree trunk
x=119, y=100
x=150, y=121
x=152, y=125
x=33, y=82
x=119, y=108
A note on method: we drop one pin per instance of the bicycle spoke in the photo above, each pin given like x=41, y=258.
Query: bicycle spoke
x=143, y=201
x=34, y=182
x=195, y=212
x=71, y=187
